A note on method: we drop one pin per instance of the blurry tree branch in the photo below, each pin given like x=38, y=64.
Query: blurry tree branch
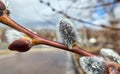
x=80, y=20
x=100, y=5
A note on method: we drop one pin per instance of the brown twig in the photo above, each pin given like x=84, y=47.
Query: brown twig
x=98, y=5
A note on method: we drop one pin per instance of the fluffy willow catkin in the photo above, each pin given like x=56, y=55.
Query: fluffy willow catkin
x=110, y=54
x=93, y=65
x=67, y=33
x=13, y=35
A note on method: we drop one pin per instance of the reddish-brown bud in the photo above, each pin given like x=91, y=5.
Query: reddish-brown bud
x=20, y=45
x=2, y=8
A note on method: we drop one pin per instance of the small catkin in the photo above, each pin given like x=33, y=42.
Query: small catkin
x=12, y=35
x=110, y=54
x=93, y=65
x=66, y=32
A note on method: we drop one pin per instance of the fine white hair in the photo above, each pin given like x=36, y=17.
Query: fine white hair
x=66, y=32
x=110, y=54
x=93, y=65
x=12, y=35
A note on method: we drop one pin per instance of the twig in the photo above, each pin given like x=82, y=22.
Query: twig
x=98, y=5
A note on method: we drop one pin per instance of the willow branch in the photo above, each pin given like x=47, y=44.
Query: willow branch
x=39, y=40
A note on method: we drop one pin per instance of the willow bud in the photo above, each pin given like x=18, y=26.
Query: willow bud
x=2, y=8
x=20, y=45
x=67, y=33
x=93, y=65
x=110, y=55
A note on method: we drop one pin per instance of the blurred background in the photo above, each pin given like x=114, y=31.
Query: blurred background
x=97, y=22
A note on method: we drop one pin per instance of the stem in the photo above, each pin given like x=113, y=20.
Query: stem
x=75, y=49
x=39, y=40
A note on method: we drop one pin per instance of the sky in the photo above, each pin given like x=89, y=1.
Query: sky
x=28, y=12
x=31, y=13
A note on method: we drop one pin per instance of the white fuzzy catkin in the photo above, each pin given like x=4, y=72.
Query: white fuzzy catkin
x=12, y=35
x=93, y=65
x=66, y=32
x=110, y=54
